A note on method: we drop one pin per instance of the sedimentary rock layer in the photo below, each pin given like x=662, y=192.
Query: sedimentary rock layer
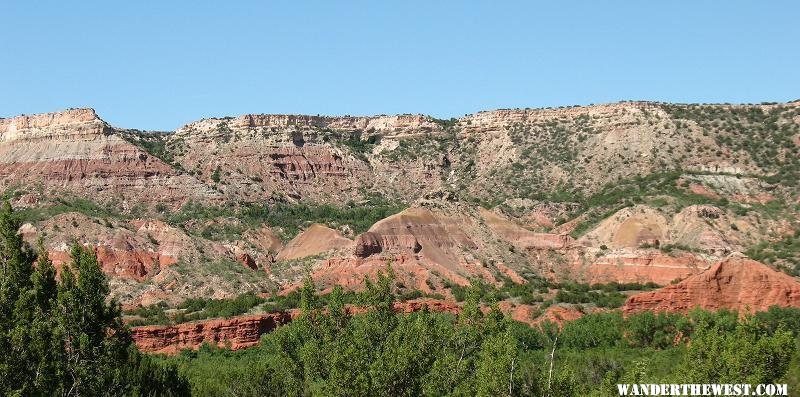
x=243, y=331
x=735, y=283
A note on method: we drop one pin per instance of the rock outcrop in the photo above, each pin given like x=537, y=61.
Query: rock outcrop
x=736, y=283
x=72, y=123
x=244, y=331
x=295, y=155
x=426, y=248
x=418, y=230
x=397, y=124
x=371, y=243
x=630, y=228
x=74, y=161
x=702, y=227
x=77, y=152
x=235, y=333
x=639, y=266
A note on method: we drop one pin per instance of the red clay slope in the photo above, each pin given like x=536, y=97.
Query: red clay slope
x=735, y=283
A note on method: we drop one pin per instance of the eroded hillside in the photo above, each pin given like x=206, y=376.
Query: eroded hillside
x=631, y=192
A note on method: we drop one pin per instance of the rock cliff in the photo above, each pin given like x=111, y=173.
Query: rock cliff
x=235, y=333
x=243, y=331
x=75, y=151
x=735, y=283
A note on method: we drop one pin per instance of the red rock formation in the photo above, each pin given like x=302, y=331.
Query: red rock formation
x=412, y=271
x=246, y=260
x=638, y=267
x=272, y=154
x=244, y=331
x=522, y=313
x=303, y=159
x=136, y=250
x=371, y=243
x=123, y=263
x=735, y=283
x=237, y=333
x=418, y=230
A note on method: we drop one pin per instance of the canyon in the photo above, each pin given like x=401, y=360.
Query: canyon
x=626, y=193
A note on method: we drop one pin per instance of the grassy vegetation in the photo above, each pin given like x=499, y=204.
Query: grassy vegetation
x=658, y=190
x=195, y=309
x=765, y=135
x=360, y=147
x=534, y=291
x=542, y=145
x=784, y=254
x=428, y=146
x=292, y=217
x=231, y=272
x=747, y=136
x=445, y=123
x=157, y=144
x=288, y=218
x=64, y=204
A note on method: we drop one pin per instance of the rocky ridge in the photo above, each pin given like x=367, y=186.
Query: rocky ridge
x=75, y=151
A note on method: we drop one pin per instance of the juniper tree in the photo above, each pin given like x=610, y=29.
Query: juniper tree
x=64, y=337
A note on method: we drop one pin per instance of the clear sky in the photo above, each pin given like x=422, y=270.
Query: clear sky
x=160, y=64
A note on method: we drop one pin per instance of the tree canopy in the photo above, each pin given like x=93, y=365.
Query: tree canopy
x=61, y=335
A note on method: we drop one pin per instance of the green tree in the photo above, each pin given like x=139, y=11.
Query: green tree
x=648, y=329
x=95, y=341
x=64, y=338
x=742, y=356
x=16, y=306
x=496, y=365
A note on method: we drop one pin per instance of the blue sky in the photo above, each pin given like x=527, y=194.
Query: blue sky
x=158, y=65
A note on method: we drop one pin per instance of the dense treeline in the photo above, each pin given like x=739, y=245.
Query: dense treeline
x=329, y=352
x=194, y=309
x=601, y=295
x=61, y=336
